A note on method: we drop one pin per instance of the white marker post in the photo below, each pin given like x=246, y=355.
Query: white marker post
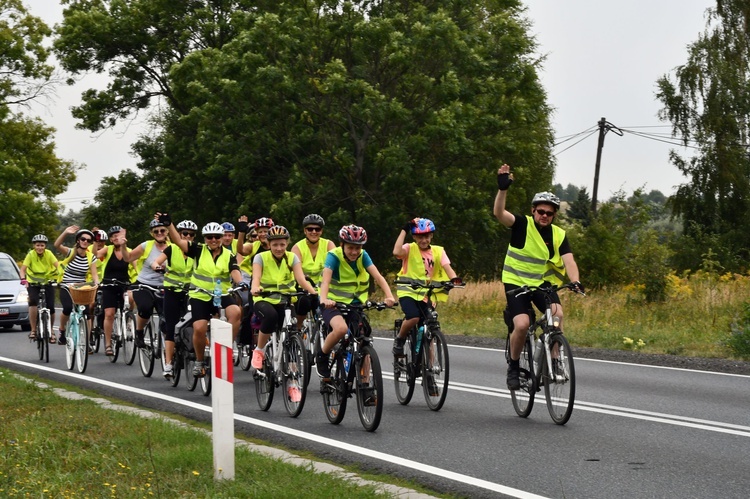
x=222, y=399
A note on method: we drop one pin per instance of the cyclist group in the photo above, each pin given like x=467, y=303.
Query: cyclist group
x=258, y=260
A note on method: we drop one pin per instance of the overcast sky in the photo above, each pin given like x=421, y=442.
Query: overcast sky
x=603, y=60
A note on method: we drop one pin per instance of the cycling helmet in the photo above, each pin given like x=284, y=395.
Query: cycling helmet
x=114, y=230
x=100, y=235
x=39, y=238
x=278, y=232
x=423, y=226
x=353, y=234
x=155, y=223
x=546, y=198
x=313, y=219
x=187, y=225
x=84, y=232
x=228, y=227
x=212, y=228
x=263, y=222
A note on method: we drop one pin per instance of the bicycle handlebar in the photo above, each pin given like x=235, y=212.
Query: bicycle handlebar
x=526, y=289
x=447, y=285
x=345, y=307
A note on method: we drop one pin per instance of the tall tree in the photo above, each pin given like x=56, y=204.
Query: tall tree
x=708, y=103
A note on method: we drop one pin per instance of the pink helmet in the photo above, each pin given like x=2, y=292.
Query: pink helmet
x=353, y=234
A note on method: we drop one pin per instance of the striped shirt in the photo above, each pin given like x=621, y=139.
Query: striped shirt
x=76, y=270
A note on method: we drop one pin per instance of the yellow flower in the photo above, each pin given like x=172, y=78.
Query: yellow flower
x=195, y=473
x=627, y=341
x=641, y=342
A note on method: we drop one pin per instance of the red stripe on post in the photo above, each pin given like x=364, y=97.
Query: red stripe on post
x=230, y=364
x=217, y=361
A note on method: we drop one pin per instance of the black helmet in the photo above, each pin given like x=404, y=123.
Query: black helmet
x=114, y=230
x=313, y=219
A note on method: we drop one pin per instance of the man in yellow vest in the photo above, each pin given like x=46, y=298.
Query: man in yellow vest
x=421, y=262
x=39, y=268
x=538, y=253
x=311, y=251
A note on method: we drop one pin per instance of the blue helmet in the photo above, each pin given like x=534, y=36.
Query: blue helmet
x=228, y=227
x=423, y=226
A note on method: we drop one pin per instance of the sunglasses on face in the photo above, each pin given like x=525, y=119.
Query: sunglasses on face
x=85, y=240
x=160, y=231
x=313, y=229
x=545, y=213
x=188, y=234
x=213, y=236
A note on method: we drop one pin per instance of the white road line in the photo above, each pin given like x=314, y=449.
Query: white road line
x=388, y=458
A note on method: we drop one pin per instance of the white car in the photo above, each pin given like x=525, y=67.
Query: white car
x=14, y=299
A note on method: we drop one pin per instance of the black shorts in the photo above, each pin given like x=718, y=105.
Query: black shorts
x=204, y=310
x=112, y=296
x=49, y=298
x=518, y=305
x=413, y=308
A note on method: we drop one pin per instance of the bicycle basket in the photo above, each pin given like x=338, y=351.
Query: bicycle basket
x=82, y=294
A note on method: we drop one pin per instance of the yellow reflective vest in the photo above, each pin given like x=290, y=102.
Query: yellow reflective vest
x=40, y=268
x=278, y=276
x=313, y=267
x=531, y=265
x=207, y=273
x=351, y=285
x=179, y=269
x=416, y=274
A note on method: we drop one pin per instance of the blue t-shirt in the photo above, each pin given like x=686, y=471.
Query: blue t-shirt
x=332, y=262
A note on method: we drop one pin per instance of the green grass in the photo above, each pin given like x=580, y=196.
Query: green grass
x=55, y=447
x=695, y=320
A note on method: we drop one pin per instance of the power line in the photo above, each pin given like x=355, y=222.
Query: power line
x=577, y=142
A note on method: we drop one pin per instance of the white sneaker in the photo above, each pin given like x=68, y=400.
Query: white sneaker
x=168, y=371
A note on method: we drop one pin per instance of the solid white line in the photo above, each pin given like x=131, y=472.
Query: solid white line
x=388, y=458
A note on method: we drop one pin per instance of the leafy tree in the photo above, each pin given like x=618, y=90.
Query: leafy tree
x=580, y=208
x=31, y=175
x=707, y=103
x=569, y=193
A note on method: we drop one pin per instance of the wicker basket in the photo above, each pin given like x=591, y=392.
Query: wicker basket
x=83, y=296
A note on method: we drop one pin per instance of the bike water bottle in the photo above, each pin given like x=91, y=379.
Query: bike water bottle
x=347, y=361
x=420, y=333
x=538, y=354
x=217, y=293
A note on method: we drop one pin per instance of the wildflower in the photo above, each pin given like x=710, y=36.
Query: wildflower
x=627, y=341
x=196, y=473
x=641, y=343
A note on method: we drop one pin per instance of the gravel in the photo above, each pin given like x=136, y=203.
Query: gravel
x=729, y=366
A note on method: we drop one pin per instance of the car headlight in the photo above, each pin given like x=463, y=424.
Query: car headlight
x=23, y=296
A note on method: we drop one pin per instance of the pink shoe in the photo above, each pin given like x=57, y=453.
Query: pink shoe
x=258, y=357
x=295, y=394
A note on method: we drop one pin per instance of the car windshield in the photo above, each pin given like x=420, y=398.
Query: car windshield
x=8, y=271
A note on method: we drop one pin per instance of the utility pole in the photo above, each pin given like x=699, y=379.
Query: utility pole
x=604, y=127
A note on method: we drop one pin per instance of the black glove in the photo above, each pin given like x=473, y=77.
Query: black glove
x=408, y=226
x=503, y=181
x=243, y=284
x=242, y=226
x=578, y=287
x=165, y=219
x=457, y=281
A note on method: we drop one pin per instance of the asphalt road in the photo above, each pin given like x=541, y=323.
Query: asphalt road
x=636, y=431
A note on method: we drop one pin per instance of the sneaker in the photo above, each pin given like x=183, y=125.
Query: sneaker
x=322, y=365
x=139, y=336
x=199, y=369
x=370, y=397
x=432, y=388
x=168, y=371
x=295, y=394
x=258, y=356
x=398, y=346
x=558, y=368
x=61, y=339
x=513, y=381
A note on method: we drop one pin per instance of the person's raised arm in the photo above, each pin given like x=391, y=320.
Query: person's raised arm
x=504, y=179
x=242, y=228
x=59, y=241
x=398, y=247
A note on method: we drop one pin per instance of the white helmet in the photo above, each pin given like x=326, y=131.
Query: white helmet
x=546, y=198
x=187, y=225
x=212, y=228
x=39, y=238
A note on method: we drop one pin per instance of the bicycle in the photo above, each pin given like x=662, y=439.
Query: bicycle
x=313, y=338
x=43, y=322
x=76, y=341
x=184, y=356
x=243, y=353
x=546, y=360
x=285, y=361
x=97, y=329
x=123, y=325
x=153, y=338
x=355, y=349
x=425, y=353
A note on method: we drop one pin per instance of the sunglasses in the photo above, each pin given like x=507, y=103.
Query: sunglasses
x=160, y=231
x=313, y=229
x=85, y=240
x=213, y=236
x=545, y=213
x=188, y=234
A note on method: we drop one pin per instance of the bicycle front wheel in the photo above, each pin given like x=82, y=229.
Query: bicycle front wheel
x=264, y=382
x=295, y=368
x=404, y=376
x=188, y=362
x=369, y=388
x=245, y=355
x=177, y=363
x=435, y=370
x=70, y=345
x=128, y=338
x=43, y=331
x=335, y=391
x=82, y=345
x=560, y=384
x=523, y=399
x=146, y=354
x=116, y=340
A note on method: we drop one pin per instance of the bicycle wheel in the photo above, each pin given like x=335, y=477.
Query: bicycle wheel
x=43, y=332
x=128, y=338
x=205, y=381
x=177, y=363
x=188, y=362
x=307, y=338
x=403, y=373
x=70, y=345
x=435, y=370
x=81, y=344
x=116, y=340
x=335, y=393
x=245, y=355
x=236, y=352
x=295, y=365
x=146, y=354
x=369, y=387
x=560, y=385
x=264, y=382
x=161, y=344
x=523, y=399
